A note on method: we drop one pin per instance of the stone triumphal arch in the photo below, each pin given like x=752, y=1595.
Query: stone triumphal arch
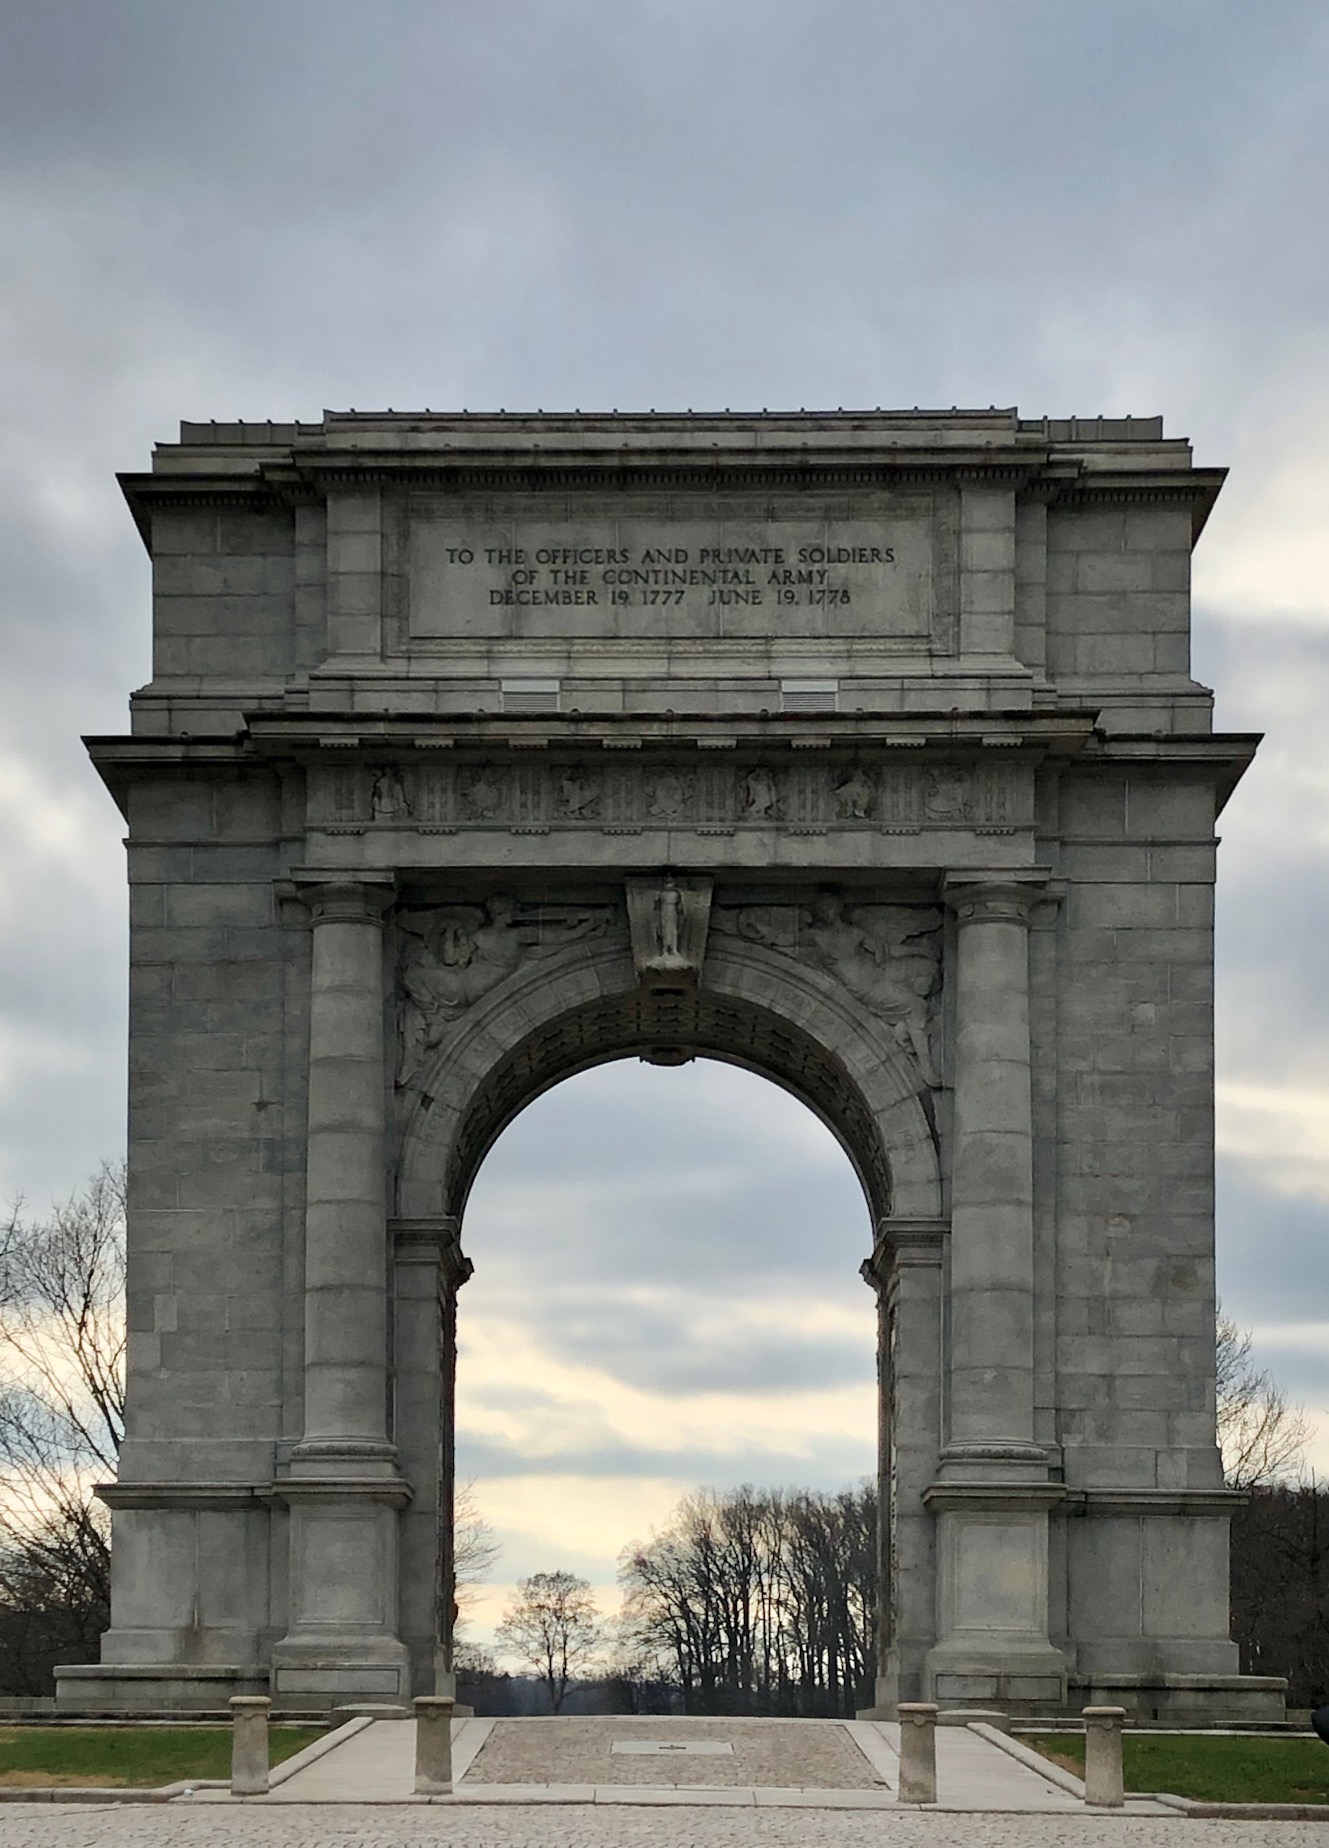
x=858, y=749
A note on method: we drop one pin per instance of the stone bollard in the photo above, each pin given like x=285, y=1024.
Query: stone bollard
x=918, y=1751
x=1104, y=1781
x=433, y=1745
x=249, y=1745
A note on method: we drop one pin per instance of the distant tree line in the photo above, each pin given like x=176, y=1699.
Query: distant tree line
x=757, y=1601
x=747, y=1601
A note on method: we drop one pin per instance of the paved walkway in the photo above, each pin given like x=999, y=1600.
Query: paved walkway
x=744, y=1764
x=177, y=1825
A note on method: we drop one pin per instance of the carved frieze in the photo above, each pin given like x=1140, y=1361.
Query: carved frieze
x=887, y=956
x=630, y=794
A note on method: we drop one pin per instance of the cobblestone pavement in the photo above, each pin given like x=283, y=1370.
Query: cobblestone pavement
x=805, y=1754
x=538, y=1826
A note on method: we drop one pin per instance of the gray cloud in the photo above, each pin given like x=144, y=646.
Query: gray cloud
x=1273, y=1249
x=257, y=209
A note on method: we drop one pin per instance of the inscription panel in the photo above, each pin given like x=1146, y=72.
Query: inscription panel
x=524, y=569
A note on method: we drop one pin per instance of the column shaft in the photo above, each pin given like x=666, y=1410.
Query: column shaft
x=341, y=1484
x=992, y=1183
x=345, y=1209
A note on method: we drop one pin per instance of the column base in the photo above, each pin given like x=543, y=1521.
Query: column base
x=992, y=1567
x=342, y=1645
x=967, y=1672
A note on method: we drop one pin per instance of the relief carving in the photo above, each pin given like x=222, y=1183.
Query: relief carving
x=451, y=955
x=886, y=956
x=483, y=794
x=668, y=918
x=760, y=795
x=948, y=795
x=805, y=796
x=578, y=794
x=853, y=796
x=388, y=800
x=669, y=796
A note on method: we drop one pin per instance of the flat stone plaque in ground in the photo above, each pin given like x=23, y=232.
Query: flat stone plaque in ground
x=699, y=1748
x=789, y=1754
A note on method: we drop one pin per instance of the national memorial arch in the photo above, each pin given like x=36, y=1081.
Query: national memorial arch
x=860, y=750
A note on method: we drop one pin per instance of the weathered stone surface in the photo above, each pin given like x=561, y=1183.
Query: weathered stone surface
x=863, y=749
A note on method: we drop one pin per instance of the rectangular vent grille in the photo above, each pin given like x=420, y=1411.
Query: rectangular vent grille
x=809, y=695
x=518, y=696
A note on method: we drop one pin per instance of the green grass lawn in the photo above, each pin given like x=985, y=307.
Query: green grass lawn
x=129, y=1756
x=1248, y=1768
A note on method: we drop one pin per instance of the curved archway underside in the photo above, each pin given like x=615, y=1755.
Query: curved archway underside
x=669, y=1030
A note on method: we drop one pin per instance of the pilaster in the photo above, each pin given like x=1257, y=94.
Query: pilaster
x=907, y=1272
x=430, y=1267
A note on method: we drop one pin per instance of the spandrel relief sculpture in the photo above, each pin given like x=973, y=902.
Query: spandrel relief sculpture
x=451, y=955
x=887, y=956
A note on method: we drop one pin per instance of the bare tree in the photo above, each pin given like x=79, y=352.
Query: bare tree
x=759, y=1601
x=1261, y=1434
x=554, y=1627
x=62, y=1339
x=475, y=1547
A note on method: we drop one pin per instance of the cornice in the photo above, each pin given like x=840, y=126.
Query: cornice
x=222, y=1497
x=1131, y=1502
x=301, y=476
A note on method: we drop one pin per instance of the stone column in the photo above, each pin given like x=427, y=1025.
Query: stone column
x=346, y=1255
x=906, y=1271
x=991, y=1411
x=342, y=1482
x=992, y=1493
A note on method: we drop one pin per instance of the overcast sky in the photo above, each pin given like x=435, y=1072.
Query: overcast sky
x=222, y=208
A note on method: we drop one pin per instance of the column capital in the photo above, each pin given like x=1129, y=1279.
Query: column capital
x=904, y=1242
x=432, y=1241
x=1005, y=897
x=340, y=898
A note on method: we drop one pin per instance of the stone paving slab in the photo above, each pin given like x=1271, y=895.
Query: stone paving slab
x=801, y=1754
x=350, y=1826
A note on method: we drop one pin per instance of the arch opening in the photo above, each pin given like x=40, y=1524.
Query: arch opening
x=671, y=1031
x=666, y=1296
